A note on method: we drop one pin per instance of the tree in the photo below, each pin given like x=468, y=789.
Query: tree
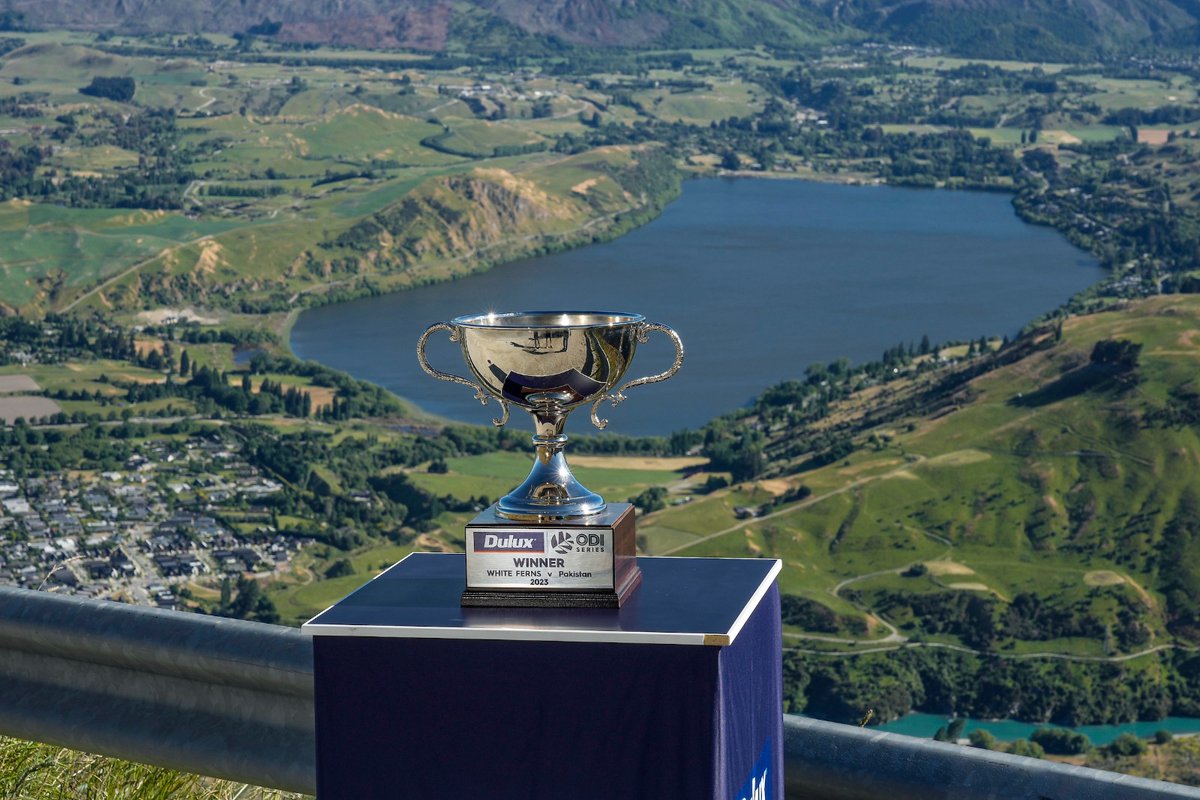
x=731, y=161
x=1061, y=741
x=185, y=364
x=1125, y=745
x=652, y=499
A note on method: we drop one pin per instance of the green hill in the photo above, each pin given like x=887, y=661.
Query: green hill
x=1033, y=509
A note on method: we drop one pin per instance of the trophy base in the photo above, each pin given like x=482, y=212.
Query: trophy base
x=477, y=598
x=575, y=563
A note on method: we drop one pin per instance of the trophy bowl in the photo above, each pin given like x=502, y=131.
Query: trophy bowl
x=549, y=363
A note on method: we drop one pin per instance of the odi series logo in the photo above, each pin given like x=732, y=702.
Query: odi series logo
x=565, y=542
x=522, y=542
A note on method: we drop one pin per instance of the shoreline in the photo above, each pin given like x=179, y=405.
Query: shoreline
x=715, y=177
x=639, y=220
x=634, y=218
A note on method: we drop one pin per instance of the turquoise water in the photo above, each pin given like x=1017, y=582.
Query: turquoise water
x=761, y=279
x=925, y=725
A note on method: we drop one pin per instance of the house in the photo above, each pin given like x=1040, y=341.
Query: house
x=98, y=569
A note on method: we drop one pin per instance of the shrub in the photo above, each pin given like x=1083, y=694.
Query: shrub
x=1125, y=745
x=1061, y=741
x=1022, y=747
x=983, y=740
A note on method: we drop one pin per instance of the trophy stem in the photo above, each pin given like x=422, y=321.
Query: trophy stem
x=550, y=491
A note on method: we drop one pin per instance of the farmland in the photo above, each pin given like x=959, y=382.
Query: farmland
x=241, y=179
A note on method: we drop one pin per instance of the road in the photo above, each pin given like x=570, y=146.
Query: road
x=128, y=271
x=858, y=651
x=808, y=501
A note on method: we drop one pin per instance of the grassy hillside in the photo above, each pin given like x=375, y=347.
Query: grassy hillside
x=253, y=185
x=1046, y=508
x=439, y=228
x=1052, y=474
x=32, y=771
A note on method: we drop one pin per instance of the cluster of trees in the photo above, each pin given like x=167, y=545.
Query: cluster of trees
x=777, y=426
x=982, y=621
x=939, y=681
x=653, y=499
x=120, y=89
x=210, y=388
x=199, y=335
x=157, y=182
x=1119, y=354
x=808, y=614
x=60, y=338
x=1055, y=741
x=1179, y=567
x=246, y=600
x=21, y=106
x=353, y=398
x=37, y=451
x=234, y=190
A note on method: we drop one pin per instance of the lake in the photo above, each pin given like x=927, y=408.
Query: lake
x=1006, y=730
x=760, y=278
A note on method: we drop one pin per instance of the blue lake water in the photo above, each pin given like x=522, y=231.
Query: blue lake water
x=760, y=278
x=925, y=725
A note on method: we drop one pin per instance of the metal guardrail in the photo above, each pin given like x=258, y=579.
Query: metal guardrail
x=234, y=700
x=213, y=696
x=828, y=761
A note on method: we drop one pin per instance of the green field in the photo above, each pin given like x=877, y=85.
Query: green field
x=495, y=474
x=299, y=602
x=942, y=63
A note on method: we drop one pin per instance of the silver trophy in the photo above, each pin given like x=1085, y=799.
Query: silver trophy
x=549, y=363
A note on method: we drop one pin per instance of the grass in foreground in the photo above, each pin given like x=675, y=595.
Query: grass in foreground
x=34, y=771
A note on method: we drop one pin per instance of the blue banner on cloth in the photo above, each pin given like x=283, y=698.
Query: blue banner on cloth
x=760, y=785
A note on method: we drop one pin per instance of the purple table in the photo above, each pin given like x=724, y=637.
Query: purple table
x=678, y=694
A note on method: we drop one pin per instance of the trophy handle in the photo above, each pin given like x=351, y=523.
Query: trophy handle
x=480, y=393
x=618, y=396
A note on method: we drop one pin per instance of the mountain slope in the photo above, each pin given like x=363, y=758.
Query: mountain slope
x=1041, y=29
x=1027, y=28
x=437, y=24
